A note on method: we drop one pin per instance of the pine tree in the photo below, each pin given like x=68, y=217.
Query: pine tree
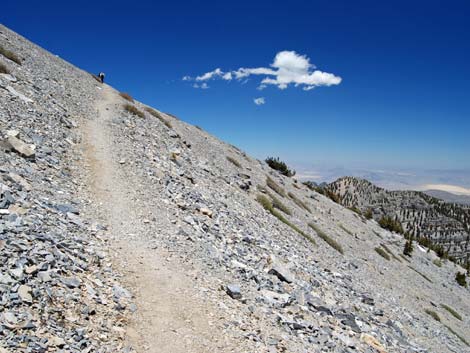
x=408, y=248
x=460, y=278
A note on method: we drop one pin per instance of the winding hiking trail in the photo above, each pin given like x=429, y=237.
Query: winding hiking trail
x=170, y=317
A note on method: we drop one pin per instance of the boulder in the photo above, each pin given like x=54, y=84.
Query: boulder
x=234, y=291
x=12, y=143
x=280, y=270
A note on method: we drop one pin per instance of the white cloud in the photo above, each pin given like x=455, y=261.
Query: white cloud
x=209, y=75
x=187, y=78
x=287, y=68
x=259, y=101
x=201, y=86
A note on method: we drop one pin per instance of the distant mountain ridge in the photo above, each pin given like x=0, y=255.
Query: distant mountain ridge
x=449, y=197
x=428, y=219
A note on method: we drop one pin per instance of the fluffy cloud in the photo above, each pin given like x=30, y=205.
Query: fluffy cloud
x=210, y=75
x=287, y=68
x=259, y=101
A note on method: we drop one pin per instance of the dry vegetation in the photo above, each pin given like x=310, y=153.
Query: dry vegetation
x=390, y=252
x=452, y=312
x=279, y=205
x=234, y=161
x=133, y=110
x=10, y=55
x=433, y=314
x=346, y=229
x=299, y=202
x=421, y=274
x=4, y=69
x=404, y=258
x=268, y=206
x=157, y=115
x=127, y=97
x=96, y=77
x=330, y=241
x=273, y=185
x=382, y=253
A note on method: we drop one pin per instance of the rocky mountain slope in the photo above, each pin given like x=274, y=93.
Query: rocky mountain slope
x=125, y=229
x=446, y=225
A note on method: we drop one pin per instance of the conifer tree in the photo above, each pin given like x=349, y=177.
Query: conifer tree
x=408, y=248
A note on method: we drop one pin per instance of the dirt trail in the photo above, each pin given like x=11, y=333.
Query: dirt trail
x=170, y=317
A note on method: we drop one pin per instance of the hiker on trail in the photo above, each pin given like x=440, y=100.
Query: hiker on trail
x=101, y=76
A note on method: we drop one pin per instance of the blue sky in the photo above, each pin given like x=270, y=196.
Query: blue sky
x=403, y=100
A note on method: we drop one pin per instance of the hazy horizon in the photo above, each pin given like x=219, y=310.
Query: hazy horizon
x=453, y=181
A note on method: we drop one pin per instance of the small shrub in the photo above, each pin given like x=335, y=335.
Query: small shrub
x=265, y=202
x=268, y=206
x=437, y=262
x=198, y=127
x=310, y=185
x=390, y=252
x=332, y=196
x=133, y=110
x=299, y=202
x=330, y=241
x=382, y=253
x=234, y=162
x=279, y=205
x=368, y=214
x=10, y=55
x=356, y=210
x=157, y=115
x=280, y=166
x=460, y=278
x=377, y=234
x=173, y=116
x=96, y=77
x=127, y=97
x=390, y=224
x=421, y=274
x=4, y=69
x=273, y=185
x=433, y=314
x=346, y=230
x=408, y=249
x=404, y=258
x=452, y=312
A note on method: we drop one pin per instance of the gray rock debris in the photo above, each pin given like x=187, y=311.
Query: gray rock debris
x=48, y=253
